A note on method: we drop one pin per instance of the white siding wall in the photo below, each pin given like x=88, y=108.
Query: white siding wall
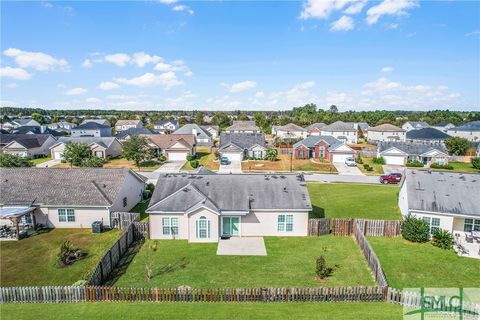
x=446, y=222
x=156, y=226
x=132, y=189
x=214, y=226
x=265, y=224
x=382, y=135
x=350, y=135
x=48, y=216
x=403, y=200
x=469, y=135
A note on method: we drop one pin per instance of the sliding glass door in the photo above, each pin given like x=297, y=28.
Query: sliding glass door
x=231, y=226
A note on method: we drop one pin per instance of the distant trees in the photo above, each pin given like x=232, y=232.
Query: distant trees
x=13, y=160
x=222, y=120
x=37, y=117
x=136, y=149
x=457, y=146
x=199, y=118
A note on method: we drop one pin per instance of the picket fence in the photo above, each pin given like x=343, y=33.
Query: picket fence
x=318, y=227
x=375, y=228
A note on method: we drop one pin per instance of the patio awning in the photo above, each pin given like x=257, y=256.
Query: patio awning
x=14, y=212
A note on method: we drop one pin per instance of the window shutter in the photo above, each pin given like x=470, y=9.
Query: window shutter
x=196, y=229
x=208, y=229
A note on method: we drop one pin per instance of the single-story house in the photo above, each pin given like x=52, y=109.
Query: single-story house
x=445, y=200
x=165, y=126
x=398, y=153
x=430, y=135
x=290, y=131
x=414, y=125
x=91, y=129
x=386, y=132
x=102, y=147
x=315, y=129
x=345, y=132
x=203, y=137
x=125, y=134
x=243, y=127
x=443, y=126
x=213, y=130
x=70, y=198
x=202, y=208
x=175, y=147
x=27, y=145
x=239, y=146
x=103, y=122
x=326, y=147
x=469, y=131
x=122, y=125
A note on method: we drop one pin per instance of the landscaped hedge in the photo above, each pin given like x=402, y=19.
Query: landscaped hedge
x=414, y=163
x=414, y=229
x=441, y=166
x=379, y=160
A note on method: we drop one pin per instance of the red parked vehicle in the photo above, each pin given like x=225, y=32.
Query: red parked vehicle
x=391, y=178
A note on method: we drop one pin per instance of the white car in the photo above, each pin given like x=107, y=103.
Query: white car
x=350, y=162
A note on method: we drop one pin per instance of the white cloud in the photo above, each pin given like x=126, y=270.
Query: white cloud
x=381, y=84
x=182, y=7
x=76, y=91
x=356, y=7
x=389, y=7
x=387, y=69
x=37, y=60
x=93, y=101
x=345, y=23
x=167, y=80
x=391, y=26
x=11, y=85
x=473, y=33
x=87, y=63
x=259, y=94
x=15, y=73
x=321, y=9
x=188, y=74
x=142, y=58
x=108, y=85
x=167, y=1
x=119, y=59
x=240, y=86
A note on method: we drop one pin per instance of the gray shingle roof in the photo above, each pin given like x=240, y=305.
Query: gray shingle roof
x=163, y=122
x=231, y=192
x=49, y=186
x=318, y=125
x=412, y=148
x=443, y=192
x=91, y=125
x=27, y=140
x=386, y=127
x=102, y=141
x=426, y=133
x=243, y=126
x=290, y=127
x=132, y=132
x=339, y=126
x=469, y=126
x=188, y=129
x=311, y=141
x=242, y=140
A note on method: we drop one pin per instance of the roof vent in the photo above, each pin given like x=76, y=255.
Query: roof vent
x=104, y=185
x=284, y=189
x=207, y=183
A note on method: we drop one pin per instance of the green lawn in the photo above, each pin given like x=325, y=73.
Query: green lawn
x=412, y=265
x=377, y=168
x=194, y=311
x=463, y=167
x=341, y=200
x=40, y=160
x=290, y=261
x=141, y=207
x=32, y=261
x=205, y=158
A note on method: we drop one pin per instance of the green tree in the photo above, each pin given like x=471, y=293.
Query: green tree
x=260, y=120
x=199, y=118
x=457, y=146
x=181, y=121
x=75, y=153
x=271, y=155
x=37, y=117
x=242, y=117
x=92, y=161
x=221, y=119
x=475, y=162
x=136, y=149
x=12, y=160
x=333, y=109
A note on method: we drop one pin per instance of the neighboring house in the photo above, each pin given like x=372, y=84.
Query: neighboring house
x=91, y=129
x=242, y=127
x=290, y=131
x=214, y=130
x=27, y=145
x=62, y=125
x=469, y=131
x=70, y=198
x=414, y=125
x=398, y=153
x=122, y=125
x=103, y=122
x=207, y=118
x=202, y=208
x=315, y=129
x=102, y=147
x=429, y=135
x=239, y=146
x=125, y=134
x=385, y=132
x=175, y=147
x=445, y=200
x=165, y=126
x=36, y=130
x=24, y=122
x=443, y=126
x=203, y=137
x=342, y=131
x=326, y=147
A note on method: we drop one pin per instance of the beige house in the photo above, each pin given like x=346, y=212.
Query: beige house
x=102, y=147
x=27, y=145
x=386, y=133
x=289, y=131
x=345, y=132
x=399, y=153
x=205, y=207
x=122, y=125
x=175, y=147
x=70, y=198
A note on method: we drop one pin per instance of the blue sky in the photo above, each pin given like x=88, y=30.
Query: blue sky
x=229, y=55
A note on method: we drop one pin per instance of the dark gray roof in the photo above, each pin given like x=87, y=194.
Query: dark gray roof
x=339, y=126
x=50, y=186
x=27, y=140
x=469, y=126
x=412, y=148
x=442, y=124
x=188, y=129
x=91, y=125
x=230, y=192
x=35, y=130
x=311, y=141
x=205, y=127
x=427, y=133
x=419, y=124
x=163, y=122
x=132, y=132
x=242, y=140
x=318, y=125
x=443, y=192
x=102, y=141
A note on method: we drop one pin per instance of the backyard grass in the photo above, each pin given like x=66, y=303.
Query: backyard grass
x=40, y=160
x=463, y=167
x=205, y=158
x=186, y=311
x=124, y=163
x=340, y=200
x=290, y=262
x=283, y=165
x=141, y=207
x=413, y=265
x=377, y=168
x=33, y=261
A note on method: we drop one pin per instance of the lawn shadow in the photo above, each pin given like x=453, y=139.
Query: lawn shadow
x=317, y=212
x=172, y=267
x=124, y=262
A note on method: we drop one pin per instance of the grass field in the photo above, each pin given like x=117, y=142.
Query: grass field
x=283, y=164
x=412, y=265
x=40, y=160
x=193, y=311
x=141, y=207
x=33, y=261
x=377, y=168
x=290, y=261
x=354, y=201
x=205, y=159
x=463, y=167
x=124, y=163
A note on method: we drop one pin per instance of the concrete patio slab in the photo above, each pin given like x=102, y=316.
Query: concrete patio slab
x=242, y=246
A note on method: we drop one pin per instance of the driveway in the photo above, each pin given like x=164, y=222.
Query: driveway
x=48, y=164
x=233, y=167
x=242, y=246
x=342, y=168
x=170, y=167
x=390, y=168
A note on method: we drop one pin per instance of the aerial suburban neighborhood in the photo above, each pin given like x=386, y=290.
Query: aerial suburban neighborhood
x=240, y=160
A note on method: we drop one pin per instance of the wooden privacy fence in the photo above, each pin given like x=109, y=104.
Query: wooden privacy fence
x=318, y=227
x=108, y=294
x=342, y=227
x=375, y=228
x=122, y=220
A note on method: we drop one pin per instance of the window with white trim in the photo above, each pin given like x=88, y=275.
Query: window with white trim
x=66, y=215
x=170, y=226
x=433, y=224
x=203, y=228
x=471, y=225
x=285, y=223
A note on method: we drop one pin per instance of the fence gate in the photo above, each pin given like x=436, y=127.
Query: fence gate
x=318, y=227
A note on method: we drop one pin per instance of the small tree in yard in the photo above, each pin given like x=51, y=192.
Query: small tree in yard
x=414, y=229
x=475, y=162
x=136, y=149
x=322, y=269
x=457, y=146
x=93, y=162
x=75, y=153
x=12, y=160
x=271, y=155
x=442, y=239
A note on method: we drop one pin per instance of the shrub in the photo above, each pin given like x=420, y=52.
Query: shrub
x=194, y=163
x=442, y=239
x=359, y=159
x=69, y=254
x=441, y=166
x=12, y=160
x=162, y=158
x=378, y=160
x=368, y=167
x=92, y=162
x=271, y=155
x=414, y=229
x=322, y=270
x=475, y=162
x=414, y=163
x=457, y=146
x=191, y=157
x=150, y=187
